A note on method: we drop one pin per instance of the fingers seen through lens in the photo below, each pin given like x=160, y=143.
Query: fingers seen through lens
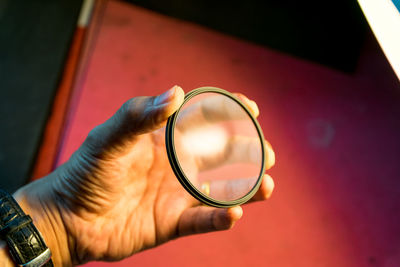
x=229, y=190
x=214, y=108
x=239, y=149
x=202, y=219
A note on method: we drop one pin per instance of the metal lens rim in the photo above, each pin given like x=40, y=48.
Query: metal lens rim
x=176, y=167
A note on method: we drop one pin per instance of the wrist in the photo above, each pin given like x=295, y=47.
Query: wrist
x=36, y=199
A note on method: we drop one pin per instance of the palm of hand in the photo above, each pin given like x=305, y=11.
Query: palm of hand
x=136, y=204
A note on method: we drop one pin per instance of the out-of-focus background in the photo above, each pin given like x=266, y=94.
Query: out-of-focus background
x=329, y=103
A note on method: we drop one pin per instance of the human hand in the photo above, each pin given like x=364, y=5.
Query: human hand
x=117, y=195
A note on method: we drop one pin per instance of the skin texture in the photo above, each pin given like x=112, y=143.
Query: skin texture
x=117, y=194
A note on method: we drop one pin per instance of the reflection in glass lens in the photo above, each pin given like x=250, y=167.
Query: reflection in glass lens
x=218, y=146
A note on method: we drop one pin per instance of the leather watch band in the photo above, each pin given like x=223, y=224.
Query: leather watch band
x=24, y=241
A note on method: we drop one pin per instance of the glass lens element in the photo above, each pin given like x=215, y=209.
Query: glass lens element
x=217, y=146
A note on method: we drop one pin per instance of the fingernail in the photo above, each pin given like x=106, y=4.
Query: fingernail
x=166, y=97
x=231, y=216
x=238, y=212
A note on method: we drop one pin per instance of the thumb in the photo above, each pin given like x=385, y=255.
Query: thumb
x=137, y=116
x=164, y=106
x=147, y=114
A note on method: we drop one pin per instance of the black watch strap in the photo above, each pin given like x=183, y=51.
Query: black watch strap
x=24, y=241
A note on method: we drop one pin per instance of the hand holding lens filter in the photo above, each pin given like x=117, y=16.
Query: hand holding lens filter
x=216, y=148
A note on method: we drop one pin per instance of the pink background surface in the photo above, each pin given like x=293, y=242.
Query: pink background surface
x=336, y=137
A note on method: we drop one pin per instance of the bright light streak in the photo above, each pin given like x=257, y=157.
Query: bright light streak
x=384, y=19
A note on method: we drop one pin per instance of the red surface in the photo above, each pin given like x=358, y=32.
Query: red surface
x=336, y=136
